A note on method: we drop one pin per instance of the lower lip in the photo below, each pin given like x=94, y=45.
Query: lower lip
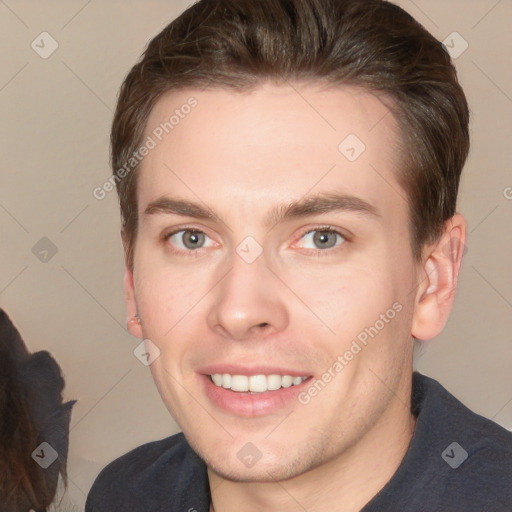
x=252, y=405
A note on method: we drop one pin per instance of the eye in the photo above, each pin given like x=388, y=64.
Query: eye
x=187, y=240
x=322, y=238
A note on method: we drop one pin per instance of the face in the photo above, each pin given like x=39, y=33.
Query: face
x=273, y=243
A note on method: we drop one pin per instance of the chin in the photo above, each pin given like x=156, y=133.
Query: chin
x=268, y=473
x=229, y=464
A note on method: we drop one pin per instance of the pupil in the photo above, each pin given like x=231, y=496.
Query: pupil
x=193, y=239
x=322, y=238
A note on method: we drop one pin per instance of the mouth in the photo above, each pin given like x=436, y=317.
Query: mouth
x=256, y=395
x=253, y=384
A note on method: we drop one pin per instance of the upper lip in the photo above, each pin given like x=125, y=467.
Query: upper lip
x=234, y=369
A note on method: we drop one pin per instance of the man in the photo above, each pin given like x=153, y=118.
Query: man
x=288, y=174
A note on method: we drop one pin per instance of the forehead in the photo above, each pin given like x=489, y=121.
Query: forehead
x=274, y=143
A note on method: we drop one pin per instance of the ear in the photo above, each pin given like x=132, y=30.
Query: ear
x=134, y=327
x=438, y=279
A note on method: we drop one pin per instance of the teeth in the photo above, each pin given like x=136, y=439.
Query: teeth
x=273, y=382
x=239, y=383
x=255, y=383
x=226, y=380
x=287, y=381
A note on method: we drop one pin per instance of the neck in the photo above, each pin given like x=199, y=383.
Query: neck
x=345, y=483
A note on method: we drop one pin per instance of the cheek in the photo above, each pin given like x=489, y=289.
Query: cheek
x=153, y=292
x=170, y=302
x=164, y=294
x=350, y=297
x=362, y=303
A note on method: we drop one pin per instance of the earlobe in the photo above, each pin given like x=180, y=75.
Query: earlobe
x=438, y=280
x=133, y=323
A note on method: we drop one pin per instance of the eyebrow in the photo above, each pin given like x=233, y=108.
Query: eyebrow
x=304, y=207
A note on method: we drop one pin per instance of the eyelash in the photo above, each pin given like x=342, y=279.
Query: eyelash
x=314, y=252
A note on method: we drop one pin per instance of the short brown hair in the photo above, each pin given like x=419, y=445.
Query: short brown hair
x=239, y=44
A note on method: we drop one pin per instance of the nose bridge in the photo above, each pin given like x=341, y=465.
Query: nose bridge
x=247, y=298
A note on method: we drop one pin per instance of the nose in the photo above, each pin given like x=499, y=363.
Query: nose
x=248, y=303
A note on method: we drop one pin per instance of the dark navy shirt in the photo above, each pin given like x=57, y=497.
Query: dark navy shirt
x=457, y=461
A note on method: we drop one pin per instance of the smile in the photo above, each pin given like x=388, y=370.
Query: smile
x=255, y=383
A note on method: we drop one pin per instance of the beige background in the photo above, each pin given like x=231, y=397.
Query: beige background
x=56, y=115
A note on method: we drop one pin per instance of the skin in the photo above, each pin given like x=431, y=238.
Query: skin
x=241, y=154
